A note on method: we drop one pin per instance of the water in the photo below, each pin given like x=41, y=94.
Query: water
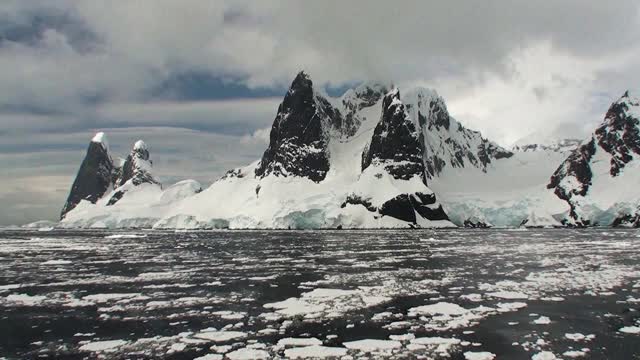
x=169, y=295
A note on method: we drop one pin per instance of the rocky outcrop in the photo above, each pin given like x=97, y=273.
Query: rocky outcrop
x=137, y=166
x=446, y=142
x=95, y=176
x=475, y=222
x=299, y=135
x=618, y=139
x=135, y=171
x=395, y=145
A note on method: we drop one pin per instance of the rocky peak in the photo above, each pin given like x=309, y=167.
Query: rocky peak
x=94, y=177
x=299, y=135
x=395, y=144
x=137, y=166
x=618, y=136
x=446, y=142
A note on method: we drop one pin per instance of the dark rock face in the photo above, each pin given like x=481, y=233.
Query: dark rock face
x=94, y=178
x=299, y=135
x=618, y=135
x=395, y=143
x=474, y=224
x=397, y=147
x=405, y=207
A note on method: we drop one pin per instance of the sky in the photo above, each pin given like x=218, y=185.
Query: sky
x=200, y=81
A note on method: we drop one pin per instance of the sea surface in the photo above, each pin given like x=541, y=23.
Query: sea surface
x=451, y=294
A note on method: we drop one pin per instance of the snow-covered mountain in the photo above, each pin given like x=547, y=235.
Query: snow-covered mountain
x=103, y=182
x=377, y=158
x=599, y=179
x=448, y=144
x=351, y=162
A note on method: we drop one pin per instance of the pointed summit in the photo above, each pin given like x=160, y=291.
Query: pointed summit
x=94, y=177
x=137, y=166
x=299, y=135
x=395, y=143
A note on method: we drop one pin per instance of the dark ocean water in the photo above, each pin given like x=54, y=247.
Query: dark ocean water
x=459, y=293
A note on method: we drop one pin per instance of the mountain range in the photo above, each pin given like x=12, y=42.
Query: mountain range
x=376, y=157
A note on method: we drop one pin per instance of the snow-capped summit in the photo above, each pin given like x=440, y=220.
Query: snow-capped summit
x=101, y=138
x=137, y=166
x=447, y=143
x=95, y=176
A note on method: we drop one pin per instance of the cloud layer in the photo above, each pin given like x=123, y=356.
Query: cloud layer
x=200, y=80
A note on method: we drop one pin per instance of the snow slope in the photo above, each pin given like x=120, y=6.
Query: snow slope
x=508, y=192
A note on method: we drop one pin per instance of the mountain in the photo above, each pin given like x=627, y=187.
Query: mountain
x=299, y=135
x=509, y=191
x=598, y=180
x=447, y=143
x=101, y=179
x=95, y=177
x=376, y=158
x=351, y=162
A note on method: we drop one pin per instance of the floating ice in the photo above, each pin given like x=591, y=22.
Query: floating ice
x=220, y=336
x=314, y=352
x=369, y=345
x=542, y=320
x=107, y=345
x=482, y=355
x=248, y=354
x=630, y=330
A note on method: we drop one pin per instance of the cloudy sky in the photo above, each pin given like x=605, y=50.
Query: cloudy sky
x=200, y=81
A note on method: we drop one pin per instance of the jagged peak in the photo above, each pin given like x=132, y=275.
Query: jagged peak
x=302, y=80
x=629, y=98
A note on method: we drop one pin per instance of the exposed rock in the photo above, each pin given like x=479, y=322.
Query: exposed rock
x=137, y=166
x=353, y=101
x=95, y=176
x=475, y=222
x=446, y=142
x=299, y=135
x=135, y=172
x=619, y=137
x=395, y=143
